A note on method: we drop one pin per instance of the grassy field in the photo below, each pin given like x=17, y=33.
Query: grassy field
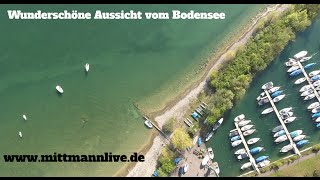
x=302, y=169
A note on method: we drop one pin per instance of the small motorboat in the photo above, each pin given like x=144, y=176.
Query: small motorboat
x=59, y=89
x=148, y=123
x=263, y=163
x=308, y=66
x=235, y=138
x=295, y=73
x=301, y=143
x=299, y=138
x=263, y=94
x=208, y=136
x=296, y=133
x=242, y=156
x=245, y=166
x=315, y=78
x=205, y=160
x=267, y=85
x=310, y=96
x=247, y=127
x=281, y=139
x=307, y=92
x=286, y=148
x=278, y=98
x=306, y=87
x=316, y=115
x=276, y=129
x=240, y=151
x=285, y=110
x=286, y=115
x=300, y=80
x=239, y=118
x=304, y=59
x=275, y=94
x=244, y=122
x=279, y=133
x=233, y=133
x=256, y=150
x=210, y=152
x=261, y=158
x=199, y=141
x=300, y=55
x=274, y=89
x=316, y=83
x=20, y=133
x=185, y=168
x=291, y=62
x=236, y=143
x=289, y=120
x=313, y=73
x=24, y=117
x=267, y=111
x=217, y=125
x=87, y=66
x=315, y=110
x=249, y=132
x=263, y=101
x=215, y=167
x=253, y=140
x=293, y=68
x=313, y=105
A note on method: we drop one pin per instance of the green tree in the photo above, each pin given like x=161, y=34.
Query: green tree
x=168, y=125
x=180, y=139
x=161, y=173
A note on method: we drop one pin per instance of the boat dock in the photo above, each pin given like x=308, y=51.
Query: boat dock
x=309, y=80
x=296, y=150
x=244, y=142
x=160, y=131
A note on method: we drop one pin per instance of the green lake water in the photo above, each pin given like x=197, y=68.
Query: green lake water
x=224, y=153
x=141, y=61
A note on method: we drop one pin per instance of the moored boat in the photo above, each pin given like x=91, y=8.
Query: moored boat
x=242, y=156
x=316, y=83
x=267, y=111
x=285, y=110
x=299, y=138
x=210, y=152
x=275, y=94
x=313, y=105
x=315, y=78
x=316, y=115
x=300, y=55
x=240, y=151
x=236, y=143
x=253, y=140
x=263, y=94
x=315, y=110
x=305, y=87
x=59, y=89
x=247, y=127
x=263, y=101
x=286, y=148
x=291, y=62
x=274, y=89
x=246, y=165
x=277, y=128
x=24, y=117
x=310, y=65
x=148, y=123
x=300, y=80
x=20, y=133
x=313, y=73
x=317, y=120
x=239, y=118
x=261, y=158
x=310, y=96
x=289, y=120
x=278, y=98
x=256, y=150
x=249, y=132
x=233, y=133
x=235, y=138
x=304, y=59
x=281, y=139
x=267, y=85
x=217, y=125
x=307, y=92
x=295, y=73
x=279, y=133
x=208, y=136
x=293, y=68
x=301, y=143
x=296, y=133
x=286, y=115
x=263, y=163
x=87, y=66
x=318, y=125
x=244, y=122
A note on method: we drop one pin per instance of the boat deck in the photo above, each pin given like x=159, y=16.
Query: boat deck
x=296, y=150
x=244, y=142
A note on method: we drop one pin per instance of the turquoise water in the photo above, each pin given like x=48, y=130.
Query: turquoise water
x=130, y=61
x=276, y=72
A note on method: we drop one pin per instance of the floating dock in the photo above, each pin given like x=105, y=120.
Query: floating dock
x=296, y=150
x=244, y=142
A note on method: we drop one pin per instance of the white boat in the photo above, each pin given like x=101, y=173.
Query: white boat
x=236, y=143
x=244, y=122
x=247, y=127
x=87, y=66
x=315, y=110
x=239, y=118
x=296, y=133
x=286, y=115
x=59, y=89
x=240, y=151
x=242, y=156
x=278, y=98
x=317, y=88
x=286, y=148
x=209, y=136
x=300, y=80
x=20, y=133
x=267, y=85
x=205, y=160
x=304, y=59
x=274, y=89
x=313, y=105
x=216, y=168
x=210, y=151
x=279, y=133
x=317, y=120
x=310, y=96
x=281, y=139
x=299, y=137
x=253, y=140
x=249, y=132
x=263, y=163
x=293, y=68
x=24, y=117
x=285, y=110
x=217, y=125
x=267, y=111
x=316, y=83
x=261, y=96
x=246, y=165
x=307, y=92
x=148, y=123
x=291, y=62
x=313, y=73
x=300, y=54
x=289, y=120
x=185, y=168
x=306, y=87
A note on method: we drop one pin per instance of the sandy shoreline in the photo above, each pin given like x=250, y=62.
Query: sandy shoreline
x=145, y=169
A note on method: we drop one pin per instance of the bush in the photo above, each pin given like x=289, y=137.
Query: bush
x=316, y=148
x=161, y=173
x=168, y=125
x=191, y=132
